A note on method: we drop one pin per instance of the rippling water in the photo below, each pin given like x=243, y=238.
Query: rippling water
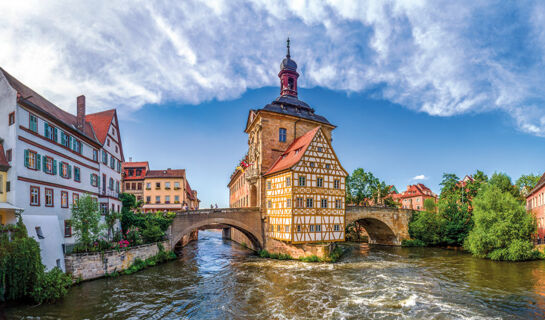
x=216, y=279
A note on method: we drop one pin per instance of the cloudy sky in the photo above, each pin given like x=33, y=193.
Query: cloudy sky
x=429, y=65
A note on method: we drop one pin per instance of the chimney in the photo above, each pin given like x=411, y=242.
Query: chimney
x=81, y=112
x=130, y=159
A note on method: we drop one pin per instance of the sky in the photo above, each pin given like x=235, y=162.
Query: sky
x=416, y=88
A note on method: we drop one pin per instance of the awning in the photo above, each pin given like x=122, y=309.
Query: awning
x=8, y=206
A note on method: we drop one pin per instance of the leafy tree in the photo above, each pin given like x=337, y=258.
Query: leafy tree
x=110, y=219
x=426, y=226
x=526, y=183
x=503, y=182
x=455, y=221
x=503, y=229
x=379, y=191
x=360, y=186
x=449, y=184
x=128, y=201
x=430, y=205
x=86, y=220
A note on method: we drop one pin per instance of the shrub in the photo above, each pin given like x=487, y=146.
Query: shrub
x=51, y=286
x=152, y=232
x=312, y=258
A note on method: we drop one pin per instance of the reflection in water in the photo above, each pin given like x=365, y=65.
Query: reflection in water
x=216, y=279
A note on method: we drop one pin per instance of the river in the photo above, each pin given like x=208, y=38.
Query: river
x=217, y=279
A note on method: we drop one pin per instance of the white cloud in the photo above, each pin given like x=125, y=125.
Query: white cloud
x=420, y=177
x=440, y=57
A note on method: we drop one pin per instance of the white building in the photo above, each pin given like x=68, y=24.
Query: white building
x=55, y=157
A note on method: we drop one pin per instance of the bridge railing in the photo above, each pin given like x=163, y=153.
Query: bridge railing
x=217, y=211
x=379, y=208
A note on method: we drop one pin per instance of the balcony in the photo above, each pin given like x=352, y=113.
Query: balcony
x=252, y=174
x=109, y=193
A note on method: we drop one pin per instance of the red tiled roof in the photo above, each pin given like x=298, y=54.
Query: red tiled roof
x=293, y=153
x=101, y=123
x=169, y=173
x=4, y=165
x=538, y=186
x=30, y=96
x=415, y=190
x=135, y=164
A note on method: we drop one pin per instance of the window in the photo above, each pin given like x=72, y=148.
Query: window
x=64, y=170
x=320, y=182
x=139, y=185
x=336, y=227
x=95, y=154
x=34, y=196
x=287, y=229
x=77, y=174
x=8, y=155
x=288, y=181
x=176, y=185
x=176, y=199
x=167, y=185
x=148, y=185
x=104, y=208
x=75, y=199
x=302, y=181
x=11, y=118
x=131, y=172
x=338, y=204
x=112, y=162
x=50, y=165
x=39, y=232
x=269, y=204
x=76, y=145
x=157, y=199
x=282, y=135
x=116, y=149
x=312, y=164
x=336, y=184
x=309, y=202
x=32, y=160
x=148, y=199
x=268, y=185
x=108, y=142
x=104, y=157
x=50, y=132
x=117, y=186
x=299, y=202
x=324, y=203
x=318, y=228
x=319, y=149
x=311, y=228
x=298, y=228
x=167, y=199
x=48, y=197
x=94, y=180
x=288, y=203
x=67, y=228
x=157, y=185
x=111, y=184
x=64, y=199
x=33, y=123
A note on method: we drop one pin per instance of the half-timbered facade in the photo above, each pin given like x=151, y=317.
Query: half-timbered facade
x=305, y=192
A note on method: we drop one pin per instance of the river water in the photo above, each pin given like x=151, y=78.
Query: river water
x=217, y=279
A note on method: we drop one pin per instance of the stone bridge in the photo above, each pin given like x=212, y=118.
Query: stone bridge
x=386, y=226
x=246, y=220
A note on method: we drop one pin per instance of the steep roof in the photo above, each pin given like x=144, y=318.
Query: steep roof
x=538, y=186
x=293, y=153
x=169, y=173
x=101, y=122
x=4, y=164
x=33, y=99
x=416, y=190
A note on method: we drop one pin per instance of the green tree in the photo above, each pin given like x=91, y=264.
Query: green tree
x=503, y=229
x=110, y=219
x=526, y=183
x=360, y=186
x=455, y=220
x=430, y=205
x=449, y=185
x=426, y=226
x=504, y=183
x=86, y=220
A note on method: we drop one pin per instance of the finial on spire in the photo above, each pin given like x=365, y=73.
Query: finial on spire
x=288, y=45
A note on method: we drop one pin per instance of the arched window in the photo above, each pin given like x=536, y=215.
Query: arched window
x=282, y=135
x=290, y=83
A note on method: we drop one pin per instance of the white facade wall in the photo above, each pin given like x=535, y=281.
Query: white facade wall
x=114, y=149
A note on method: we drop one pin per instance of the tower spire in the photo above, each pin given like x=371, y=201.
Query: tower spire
x=288, y=45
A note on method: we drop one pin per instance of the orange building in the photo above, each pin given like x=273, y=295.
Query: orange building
x=239, y=190
x=535, y=203
x=168, y=190
x=414, y=197
x=133, y=174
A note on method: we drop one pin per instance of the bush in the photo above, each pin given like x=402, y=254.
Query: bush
x=312, y=258
x=51, y=286
x=413, y=243
x=503, y=229
x=152, y=232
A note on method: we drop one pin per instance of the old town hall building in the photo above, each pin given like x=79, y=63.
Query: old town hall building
x=291, y=171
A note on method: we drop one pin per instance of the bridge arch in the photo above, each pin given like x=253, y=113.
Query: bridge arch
x=385, y=226
x=246, y=220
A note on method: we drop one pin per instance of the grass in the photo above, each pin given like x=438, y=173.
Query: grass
x=333, y=256
x=278, y=256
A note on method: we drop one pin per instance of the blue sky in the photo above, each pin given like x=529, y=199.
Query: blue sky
x=416, y=87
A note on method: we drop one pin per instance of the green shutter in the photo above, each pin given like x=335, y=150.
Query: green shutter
x=46, y=129
x=38, y=161
x=60, y=169
x=44, y=164
x=55, y=135
x=63, y=138
x=54, y=167
x=98, y=181
x=26, y=158
x=69, y=171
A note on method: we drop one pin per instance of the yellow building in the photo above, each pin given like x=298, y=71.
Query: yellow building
x=7, y=211
x=305, y=192
x=168, y=190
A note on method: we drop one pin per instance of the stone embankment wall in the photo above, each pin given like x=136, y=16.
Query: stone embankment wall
x=86, y=266
x=242, y=239
x=298, y=251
